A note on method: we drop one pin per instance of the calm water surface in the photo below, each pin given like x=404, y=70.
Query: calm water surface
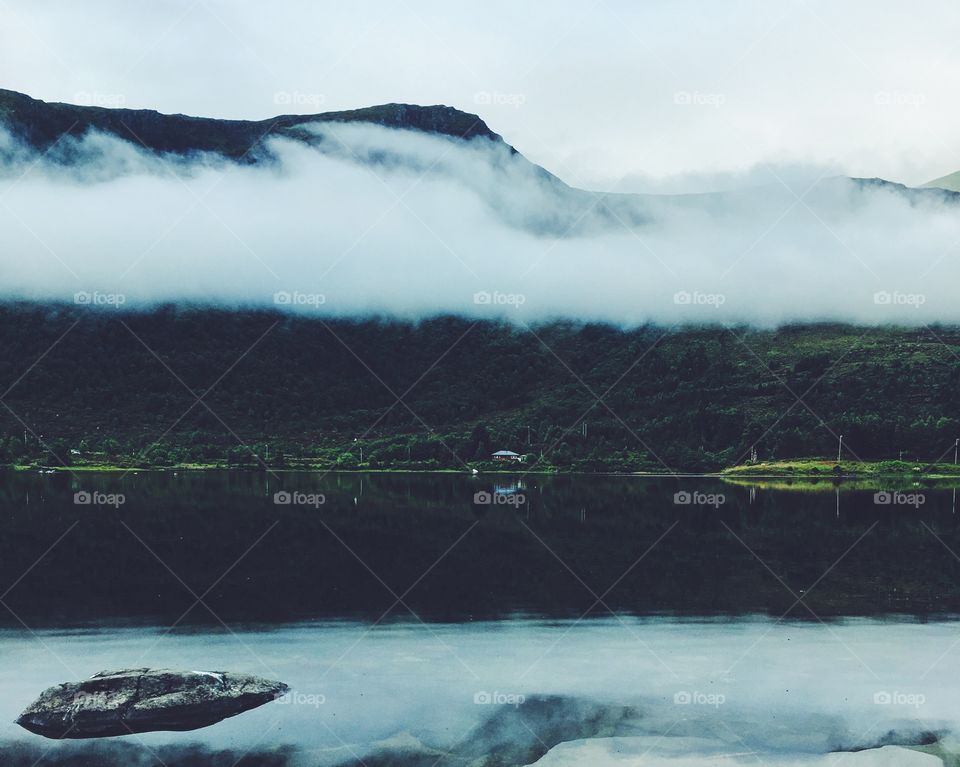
x=444, y=619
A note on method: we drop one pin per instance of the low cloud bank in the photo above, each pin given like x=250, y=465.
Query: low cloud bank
x=373, y=220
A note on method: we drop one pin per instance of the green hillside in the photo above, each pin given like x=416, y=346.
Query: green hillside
x=122, y=388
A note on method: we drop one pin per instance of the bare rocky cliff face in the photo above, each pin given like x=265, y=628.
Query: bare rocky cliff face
x=145, y=700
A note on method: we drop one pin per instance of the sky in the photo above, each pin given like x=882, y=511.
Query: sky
x=612, y=95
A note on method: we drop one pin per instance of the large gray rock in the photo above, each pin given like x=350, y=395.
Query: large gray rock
x=144, y=700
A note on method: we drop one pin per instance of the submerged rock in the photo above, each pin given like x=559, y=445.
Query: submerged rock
x=144, y=700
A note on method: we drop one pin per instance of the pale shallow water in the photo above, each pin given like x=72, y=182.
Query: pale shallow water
x=503, y=674
x=641, y=752
x=689, y=690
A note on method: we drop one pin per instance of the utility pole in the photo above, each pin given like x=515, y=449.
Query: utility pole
x=839, y=448
x=956, y=442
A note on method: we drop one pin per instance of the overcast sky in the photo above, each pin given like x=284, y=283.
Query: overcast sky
x=668, y=95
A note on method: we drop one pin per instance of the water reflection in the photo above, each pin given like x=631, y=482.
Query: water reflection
x=258, y=546
x=492, y=694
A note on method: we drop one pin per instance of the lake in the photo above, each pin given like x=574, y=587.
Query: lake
x=446, y=619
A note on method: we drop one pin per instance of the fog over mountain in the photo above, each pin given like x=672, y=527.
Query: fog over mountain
x=349, y=216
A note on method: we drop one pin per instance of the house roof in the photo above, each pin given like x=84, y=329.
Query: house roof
x=507, y=452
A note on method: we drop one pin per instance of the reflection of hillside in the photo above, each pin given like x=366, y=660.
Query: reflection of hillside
x=804, y=485
x=378, y=537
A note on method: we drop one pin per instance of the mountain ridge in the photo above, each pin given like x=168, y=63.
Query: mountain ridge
x=551, y=206
x=41, y=124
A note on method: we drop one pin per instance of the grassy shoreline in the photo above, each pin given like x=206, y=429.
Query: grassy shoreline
x=797, y=468
x=822, y=468
x=116, y=468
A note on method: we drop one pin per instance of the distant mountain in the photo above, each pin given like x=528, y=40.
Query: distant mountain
x=927, y=193
x=40, y=124
x=950, y=182
x=525, y=194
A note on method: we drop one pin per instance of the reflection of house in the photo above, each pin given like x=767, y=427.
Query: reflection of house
x=506, y=455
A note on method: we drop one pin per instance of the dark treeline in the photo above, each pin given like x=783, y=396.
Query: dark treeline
x=292, y=390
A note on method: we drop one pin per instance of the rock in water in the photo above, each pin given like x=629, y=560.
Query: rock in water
x=144, y=700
